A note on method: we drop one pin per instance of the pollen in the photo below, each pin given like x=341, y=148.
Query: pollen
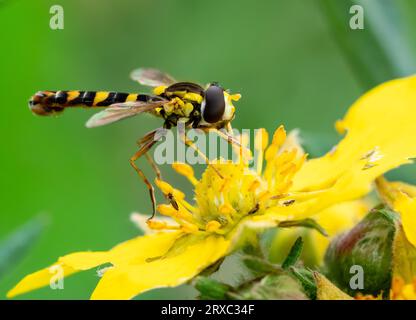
x=279, y=137
x=185, y=170
x=212, y=226
x=271, y=152
x=156, y=225
x=168, y=210
x=226, y=209
x=165, y=187
x=264, y=195
x=189, y=228
x=254, y=186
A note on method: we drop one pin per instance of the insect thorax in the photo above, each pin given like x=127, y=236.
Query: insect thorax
x=182, y=104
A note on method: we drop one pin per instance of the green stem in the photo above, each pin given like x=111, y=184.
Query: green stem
x=376, y=53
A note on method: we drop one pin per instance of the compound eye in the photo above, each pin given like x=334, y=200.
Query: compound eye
x=214, y=104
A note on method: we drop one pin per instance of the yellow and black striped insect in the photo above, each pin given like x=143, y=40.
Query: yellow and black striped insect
x=181, y=104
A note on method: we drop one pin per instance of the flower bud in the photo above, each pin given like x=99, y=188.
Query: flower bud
x=360, y=260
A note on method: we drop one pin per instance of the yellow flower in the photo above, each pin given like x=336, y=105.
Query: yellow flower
x=231, y=198
x=402, y=291
x=401, y=197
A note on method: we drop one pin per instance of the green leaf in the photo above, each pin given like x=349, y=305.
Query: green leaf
x=294, y=254
x=307, y=223
x=259, y=266
x=16, y=245
x=211, y=289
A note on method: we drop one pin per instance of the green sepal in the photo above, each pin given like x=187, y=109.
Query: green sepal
x=211, y=289
x=404, y=257
x=294, y=254
x=306, y=223
x=259, y=266
x=326, y=290
x=306, y=279
x=280, y=286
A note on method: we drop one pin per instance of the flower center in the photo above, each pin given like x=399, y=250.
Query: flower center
x=227, y=200
x=228, y=192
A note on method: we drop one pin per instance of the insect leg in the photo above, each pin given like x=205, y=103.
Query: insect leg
x=189, y=143
x=233, y=141
x=143, y=150
x=156, y=169
x=229, y=128
x=145, y=144
x=154, y=166
x=150, y=136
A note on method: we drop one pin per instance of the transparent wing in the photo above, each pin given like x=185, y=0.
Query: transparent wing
x=120, y=111
x=152, y=77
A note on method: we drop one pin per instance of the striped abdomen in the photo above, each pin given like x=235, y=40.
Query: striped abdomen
x=49, y=102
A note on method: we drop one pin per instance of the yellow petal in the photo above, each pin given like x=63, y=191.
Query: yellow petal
x=136, y=250
x=65, y=267
x=335, y=220
x=126, y=282
x=380, y=135
x=406, y=206
x=402, y=198
x=39, y=279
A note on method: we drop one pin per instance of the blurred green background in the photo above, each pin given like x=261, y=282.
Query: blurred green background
x=294, y=62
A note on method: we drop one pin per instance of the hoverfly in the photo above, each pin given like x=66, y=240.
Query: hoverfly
x=181, y=104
